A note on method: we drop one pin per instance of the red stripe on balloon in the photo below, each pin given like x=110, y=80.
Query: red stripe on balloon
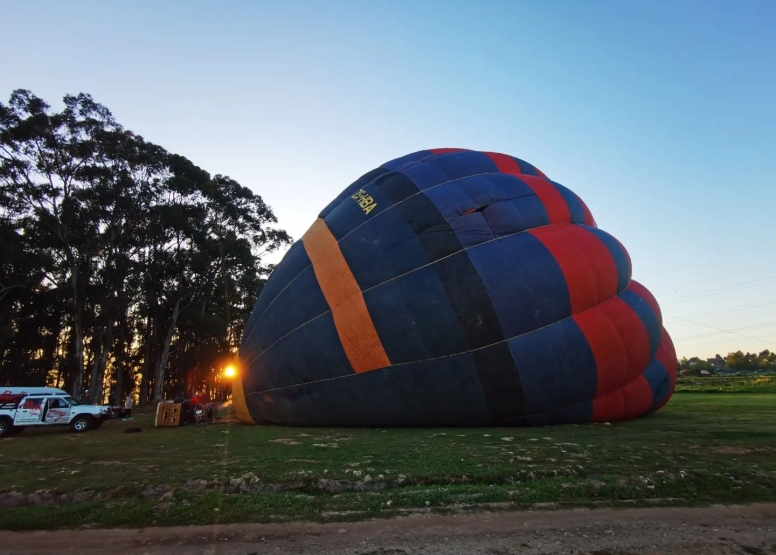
x=504, y=163
x=631, y=401
x=609, y=353
x=446, y=150
x=638, y=398
x=633, y=334
x=554, y=203
x=586, y=263
x=609, y=408
x=509, y=164
x=619, y=343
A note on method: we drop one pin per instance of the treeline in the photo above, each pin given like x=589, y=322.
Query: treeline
x=765, y=360
x=122, y=265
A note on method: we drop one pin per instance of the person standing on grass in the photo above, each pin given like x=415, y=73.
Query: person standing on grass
x=86, y=398
x=128, y=408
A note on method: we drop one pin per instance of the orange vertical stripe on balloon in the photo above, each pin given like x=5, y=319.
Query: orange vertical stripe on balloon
x=239, y=402
x=354, y=324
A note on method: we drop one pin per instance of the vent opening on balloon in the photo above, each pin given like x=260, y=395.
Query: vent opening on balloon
x=480, y=209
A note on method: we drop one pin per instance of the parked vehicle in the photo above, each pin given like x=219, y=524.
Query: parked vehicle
x=22, y=407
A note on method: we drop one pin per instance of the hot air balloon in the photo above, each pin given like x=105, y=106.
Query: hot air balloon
x=453, y=287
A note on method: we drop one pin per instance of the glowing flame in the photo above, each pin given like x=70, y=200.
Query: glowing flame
x=230, y=372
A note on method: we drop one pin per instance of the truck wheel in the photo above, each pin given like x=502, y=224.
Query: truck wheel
x=82, y=423
x=5, y=426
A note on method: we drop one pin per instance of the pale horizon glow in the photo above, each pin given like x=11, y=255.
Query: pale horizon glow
x=660, y=114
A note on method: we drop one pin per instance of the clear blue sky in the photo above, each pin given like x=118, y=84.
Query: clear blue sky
x=661, y=114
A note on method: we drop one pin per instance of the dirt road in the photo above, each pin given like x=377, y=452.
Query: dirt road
x=749, y=530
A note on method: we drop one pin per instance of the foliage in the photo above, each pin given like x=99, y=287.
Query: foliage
x=753, y=383
x=751, y=361
x=698, y=449
x=123, y=263
x=765, y=360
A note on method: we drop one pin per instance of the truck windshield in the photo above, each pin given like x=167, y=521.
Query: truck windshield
x=70, y=401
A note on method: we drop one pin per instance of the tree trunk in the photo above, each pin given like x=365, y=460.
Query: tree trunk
x=120, y=362
x=78, y=333
x=100, y=361
x=146, y=372
x=162, y=366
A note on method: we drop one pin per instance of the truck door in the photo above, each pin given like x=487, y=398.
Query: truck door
x=30, y=411
x=58, y=411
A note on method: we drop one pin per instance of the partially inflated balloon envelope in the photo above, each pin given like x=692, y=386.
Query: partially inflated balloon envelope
x=454, y=287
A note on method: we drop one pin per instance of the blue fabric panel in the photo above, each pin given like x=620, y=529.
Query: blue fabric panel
x=525, y=282
x=511, y=186
x=302, y=301
x=659, y=382
x=425, y=175
x=384, y=247
x=557, y=367
x=471, y=229
x=516, y=215
x=295, y=260
x=456, y=165
x=349, y=215
x=460, y=196
x=414, y=319
x=313, y=352
x=352, y=188
x=293, y=263
x=647, y=315
x=427, y=393
x=572, y=201
x=621, y=258
x=487, y=189
x=450, y=199
x=393, y=165
x=526, y=168
x=449, y=167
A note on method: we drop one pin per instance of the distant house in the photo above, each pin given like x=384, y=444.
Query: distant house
x=718, y=363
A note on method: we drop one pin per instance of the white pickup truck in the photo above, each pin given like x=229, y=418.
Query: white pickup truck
x=21, y=407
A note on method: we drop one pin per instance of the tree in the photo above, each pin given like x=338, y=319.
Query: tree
x=125, y=262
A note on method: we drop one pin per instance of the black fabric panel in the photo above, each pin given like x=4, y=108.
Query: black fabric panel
x=396, y=186
x=435, y=234
x=467, y=294
x=470, y=300
x=500, y=382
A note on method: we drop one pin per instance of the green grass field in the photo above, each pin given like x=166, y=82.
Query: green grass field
x=700, y=449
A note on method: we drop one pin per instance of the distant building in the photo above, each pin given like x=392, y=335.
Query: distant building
x=718, y=363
